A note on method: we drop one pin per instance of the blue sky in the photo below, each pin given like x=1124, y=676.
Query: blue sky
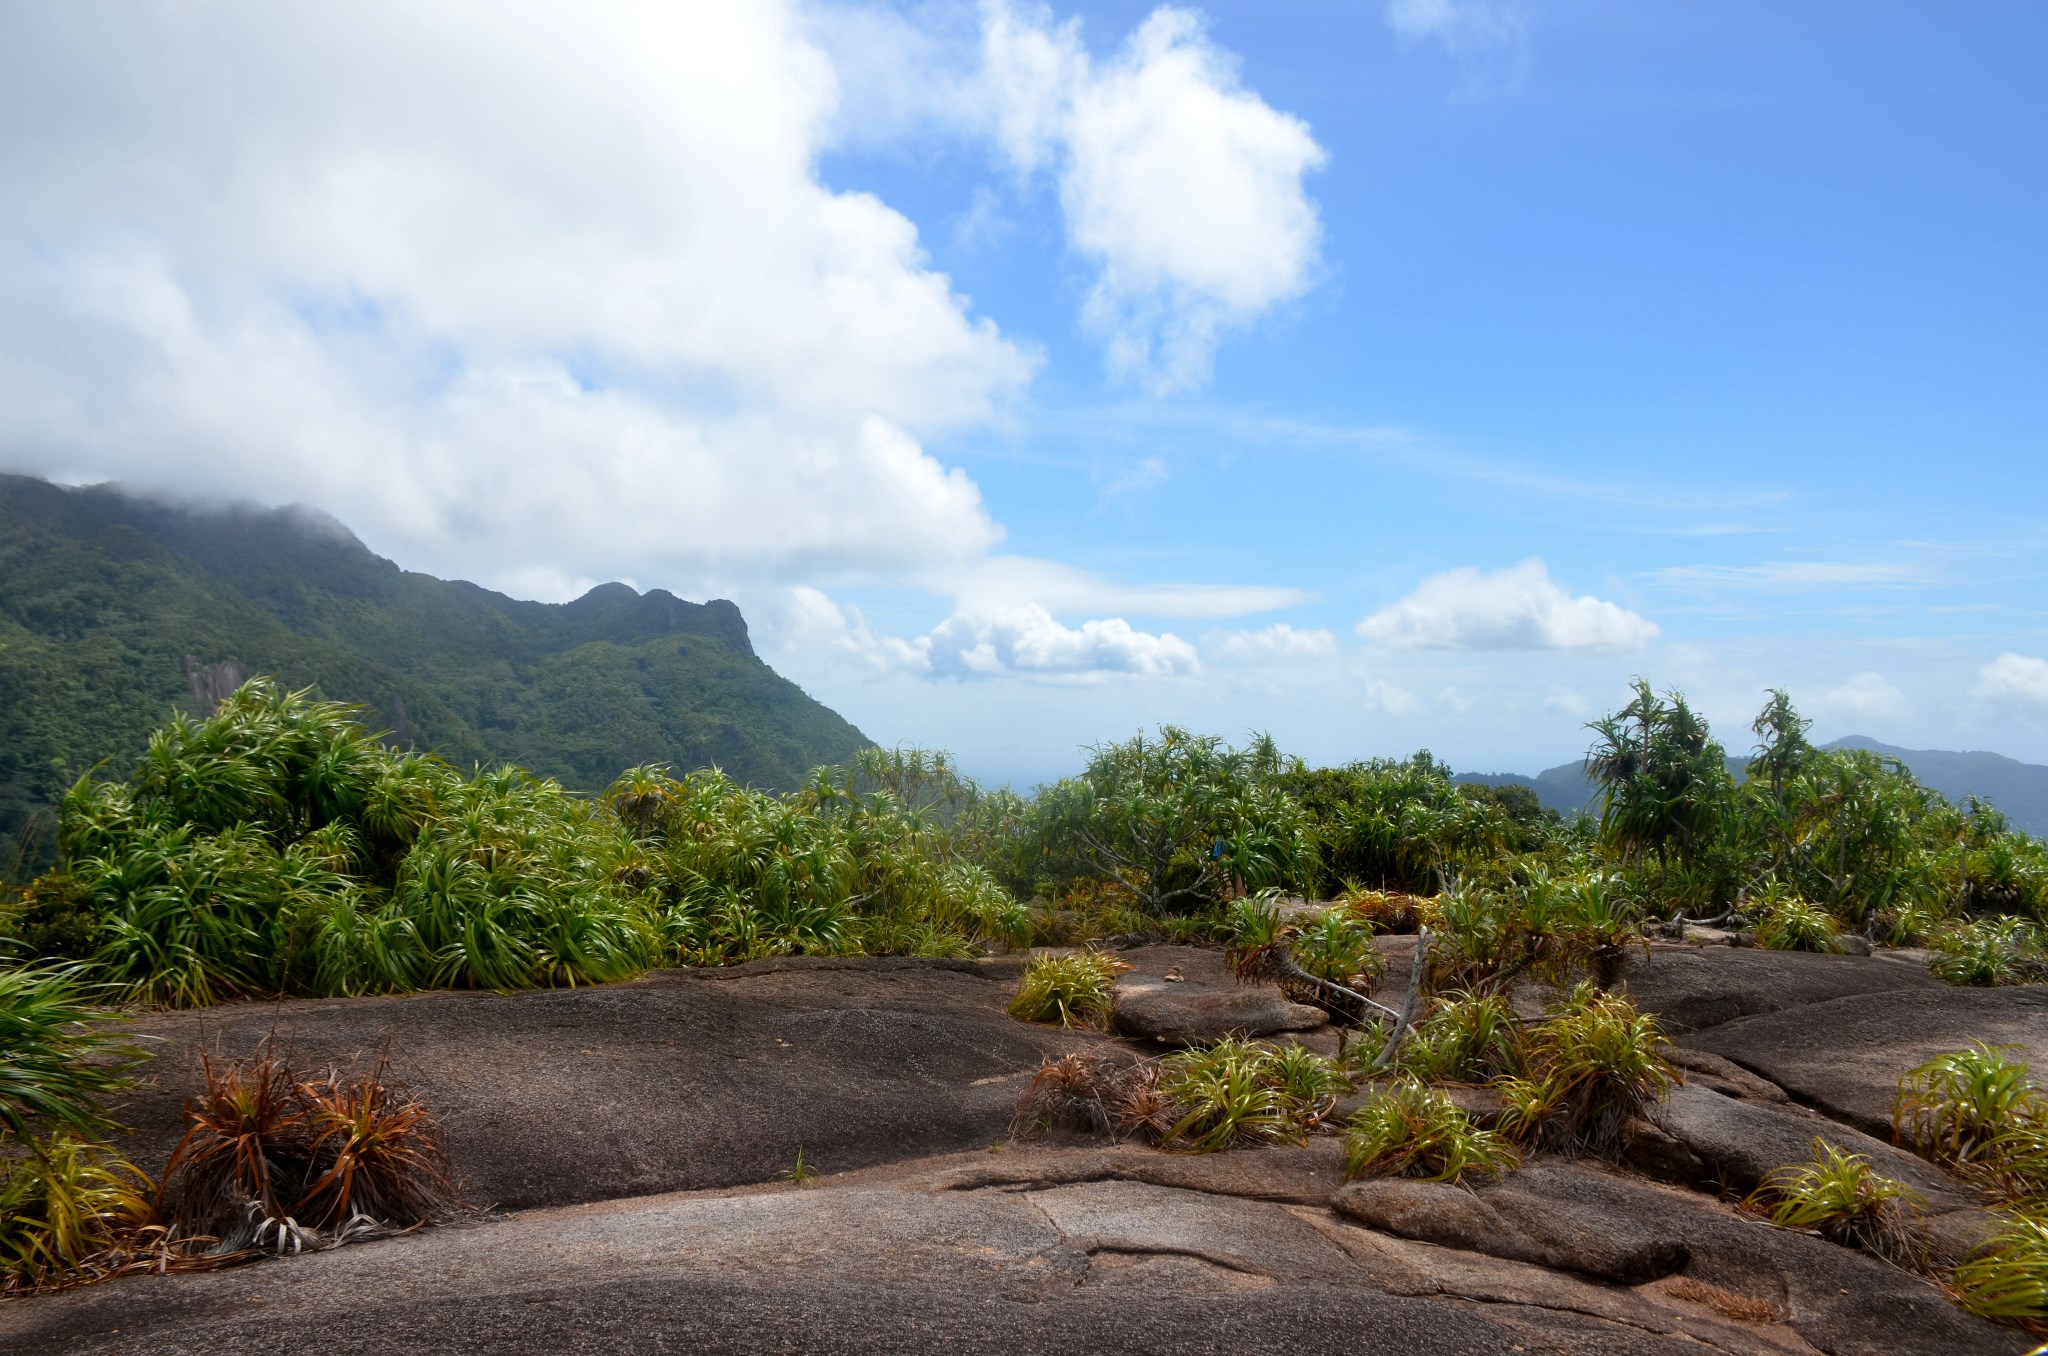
x=1385, y=375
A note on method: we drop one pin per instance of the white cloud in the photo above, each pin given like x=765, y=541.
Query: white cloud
x=589, y=301
x=1025, y=641
x=1519, y=608
x=2014, y=681
x=1030, y=640
x=1865, y=697
x=1566, y=701
x=1183, y=186
x=1278, y=643
x=1489, y=39
x=1381, y=695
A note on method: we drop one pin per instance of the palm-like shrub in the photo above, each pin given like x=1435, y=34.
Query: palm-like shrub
x=1413, y=1130
x=1071, y=988
x=1335, y=946
x=1988, y=951
x=1468, y=1038
x=1840, y=1196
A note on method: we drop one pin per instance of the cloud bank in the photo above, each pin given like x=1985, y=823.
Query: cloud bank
x=2014, y=682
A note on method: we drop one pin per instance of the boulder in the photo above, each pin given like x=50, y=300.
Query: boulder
x=1845, y=1057
x=1187, y=1015
x=1738, y=1143
x=1512, y=1221
x=1691, y=988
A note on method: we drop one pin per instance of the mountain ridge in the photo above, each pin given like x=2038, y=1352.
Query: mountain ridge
x=117, y=610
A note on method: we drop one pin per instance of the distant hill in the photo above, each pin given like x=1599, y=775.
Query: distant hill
x=2019, y=790
x=116, y=611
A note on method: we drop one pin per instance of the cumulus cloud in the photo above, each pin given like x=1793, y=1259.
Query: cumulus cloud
x=1518, y=608
x=589, y=301
x=1030, y=640
x=1185, y=188
x=1279, y=643
x=2015, y=682
x=1867, y=697
x=1025, y=641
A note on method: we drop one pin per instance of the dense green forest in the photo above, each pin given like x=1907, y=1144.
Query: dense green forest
x=115, y=612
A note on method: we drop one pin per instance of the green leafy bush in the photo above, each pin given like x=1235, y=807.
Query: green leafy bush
x=1977, y=1111
x=56, y=1059
x=1413, y=1130
x=1790, y=923
x=1988, y=951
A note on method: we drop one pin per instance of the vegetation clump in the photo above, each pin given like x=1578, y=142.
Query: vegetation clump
x=1595, y=1064
x=1071, y=988
x=1841, y=1197
x=1410, y=1129
x=1237, y=1092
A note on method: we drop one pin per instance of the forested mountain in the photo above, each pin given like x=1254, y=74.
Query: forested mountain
x=2019, y=790
x=116, y=610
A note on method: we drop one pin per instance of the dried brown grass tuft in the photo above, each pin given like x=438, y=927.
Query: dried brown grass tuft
x=1724, y=1302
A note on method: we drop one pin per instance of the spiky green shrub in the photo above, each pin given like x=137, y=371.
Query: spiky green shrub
x=1977, y=1111
x=2008, y=1279
x=1245, y=1091
x=1790, y=923
x=1412, y=1130
x=1988, y=951
x=1467, y=1038
x=1335, y=946
x=1840, y=1196
x=64, y=1207
x=57, y=1060
x=1595, y=1062
x=1071, y=988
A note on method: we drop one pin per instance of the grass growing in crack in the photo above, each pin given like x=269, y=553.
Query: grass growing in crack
x=2008, y=1280
x=1595, y=1063
x=801, y=1173
x=1071, y=988
x=1413, y=1130
x=1245, y=1092
x=1841, y=1197
x=1977, y=1111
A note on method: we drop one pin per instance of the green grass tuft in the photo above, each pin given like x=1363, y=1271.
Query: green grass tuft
x=1071, y=988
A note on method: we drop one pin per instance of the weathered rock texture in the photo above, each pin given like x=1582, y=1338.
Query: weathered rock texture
x=638, y=1132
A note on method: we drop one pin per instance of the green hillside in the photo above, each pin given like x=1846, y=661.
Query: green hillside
x=115, y=611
